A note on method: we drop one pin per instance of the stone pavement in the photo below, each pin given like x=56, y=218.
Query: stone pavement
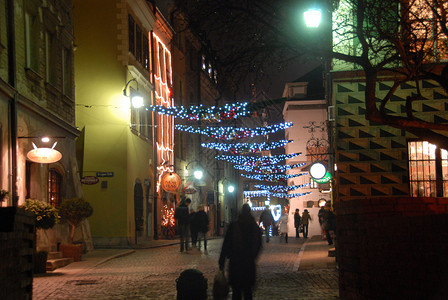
x=300, y=269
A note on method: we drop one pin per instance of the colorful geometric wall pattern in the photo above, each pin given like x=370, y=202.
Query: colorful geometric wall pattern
x=371, y=158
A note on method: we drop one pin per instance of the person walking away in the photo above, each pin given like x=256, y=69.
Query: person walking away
x=329, y=223
x=241, y=245
x=297, y=222
x=306, y=218
x=321, y=216
x=202, y=222
x=181, y=216
x=284, y=225
x=193, y=228
x=267, y=219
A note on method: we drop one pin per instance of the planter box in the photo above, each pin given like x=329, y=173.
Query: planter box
x=71, y=251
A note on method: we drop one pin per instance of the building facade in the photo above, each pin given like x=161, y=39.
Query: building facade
x=37, y=99
x=114, y=64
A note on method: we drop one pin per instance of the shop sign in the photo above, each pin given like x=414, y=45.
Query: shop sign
x=104, y=174
x=44, y=155
x=324, y=179
x=171, y=182
x=89, y=180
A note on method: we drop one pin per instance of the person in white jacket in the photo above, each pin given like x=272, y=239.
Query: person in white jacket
x=284, y=225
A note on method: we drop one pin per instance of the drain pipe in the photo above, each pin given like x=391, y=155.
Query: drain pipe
x=12, y=78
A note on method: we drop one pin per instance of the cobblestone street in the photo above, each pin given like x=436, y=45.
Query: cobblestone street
x=151, y=274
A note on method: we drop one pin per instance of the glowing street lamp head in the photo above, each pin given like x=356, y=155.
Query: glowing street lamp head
x=198, y=174
x=231, y=188
x=312, y=17
x=318, y=170
x=137, y=101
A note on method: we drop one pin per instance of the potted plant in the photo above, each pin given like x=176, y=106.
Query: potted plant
x=46, y=217
x=3, y=195
x=74, y=211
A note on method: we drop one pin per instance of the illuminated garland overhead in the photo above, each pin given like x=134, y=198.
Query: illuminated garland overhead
x=233, y=133
x=245, y=148
x=272, y=177
x=256, y=160
x=280, y=188
x=288, y=196
x=269, y=169
x=264, y=193
x=200, y=113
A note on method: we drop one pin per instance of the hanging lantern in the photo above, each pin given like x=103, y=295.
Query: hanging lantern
x=44, y=155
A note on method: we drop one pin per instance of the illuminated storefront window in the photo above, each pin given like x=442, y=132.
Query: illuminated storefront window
x=54, y=187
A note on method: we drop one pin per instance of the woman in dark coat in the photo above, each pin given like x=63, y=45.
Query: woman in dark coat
x=242, y=244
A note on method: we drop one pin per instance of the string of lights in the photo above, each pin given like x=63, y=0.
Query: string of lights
x=200, y=113
x=280, y=188
x=269, y=169
x=256, y=160
x=265, y=193
x=245, y=148
x=233, y=133
x=289, y=196
x=272, y=177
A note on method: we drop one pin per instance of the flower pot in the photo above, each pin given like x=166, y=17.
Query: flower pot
x=71, y=251
x=40, y=262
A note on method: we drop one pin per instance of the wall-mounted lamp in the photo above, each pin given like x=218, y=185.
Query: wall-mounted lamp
x=198, y=173
x=136, y=99
x=312, y=17
x=43, y=155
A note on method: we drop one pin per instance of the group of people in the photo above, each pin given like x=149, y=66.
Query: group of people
x=194, y=224
x=301, y=223
x=242, y=245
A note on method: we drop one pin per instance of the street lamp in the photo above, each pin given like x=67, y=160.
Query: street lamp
x=136, y=99
x=312, y=17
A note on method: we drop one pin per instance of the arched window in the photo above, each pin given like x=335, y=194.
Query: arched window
x=54, y=187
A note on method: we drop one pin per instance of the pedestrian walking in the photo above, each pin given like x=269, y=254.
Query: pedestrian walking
x=194, y=228
x=297, y=222
x=306, y=218
x=202, y=221
x=181, y=216
x=267, y=219
x=329, y=223
x=242, y=244
x=284, y=225
x=321, y=216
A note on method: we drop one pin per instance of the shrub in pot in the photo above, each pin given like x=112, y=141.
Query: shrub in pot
x=46, y=217
x=74, y=211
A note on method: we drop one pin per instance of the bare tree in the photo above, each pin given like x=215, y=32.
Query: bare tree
x=399, y=41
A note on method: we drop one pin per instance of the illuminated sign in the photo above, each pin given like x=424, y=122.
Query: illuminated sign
x=324, y=179
x=44, y=155
x=171, y=182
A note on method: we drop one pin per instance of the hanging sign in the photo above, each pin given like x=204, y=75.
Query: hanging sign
x=44, y=155
x=89, y=180
x=324, y=179
x=171, y=182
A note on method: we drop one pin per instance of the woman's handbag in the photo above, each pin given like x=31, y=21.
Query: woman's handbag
x=301, y=228
x=220, y=286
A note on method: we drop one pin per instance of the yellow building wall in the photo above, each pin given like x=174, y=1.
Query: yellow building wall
x=104, y=115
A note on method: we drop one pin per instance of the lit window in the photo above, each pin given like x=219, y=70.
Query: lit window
x=428, y=170
x=54, y=187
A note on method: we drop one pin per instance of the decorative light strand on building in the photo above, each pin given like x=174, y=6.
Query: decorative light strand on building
x=272, y=177
x=233, y=133
x=256, y=160
x=245, y=148
x=264, y=193
x=280, y=188
x=200, y=113
x=289, y=196
x=269, y=169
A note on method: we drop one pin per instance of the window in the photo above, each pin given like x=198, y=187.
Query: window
x=145, y=62
x=50, y=58
x=428, y=170
x=313, y=184
x=138, y=44
x=131, y=34
x=67, y=72
x=54, y=187
x=32, y=41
